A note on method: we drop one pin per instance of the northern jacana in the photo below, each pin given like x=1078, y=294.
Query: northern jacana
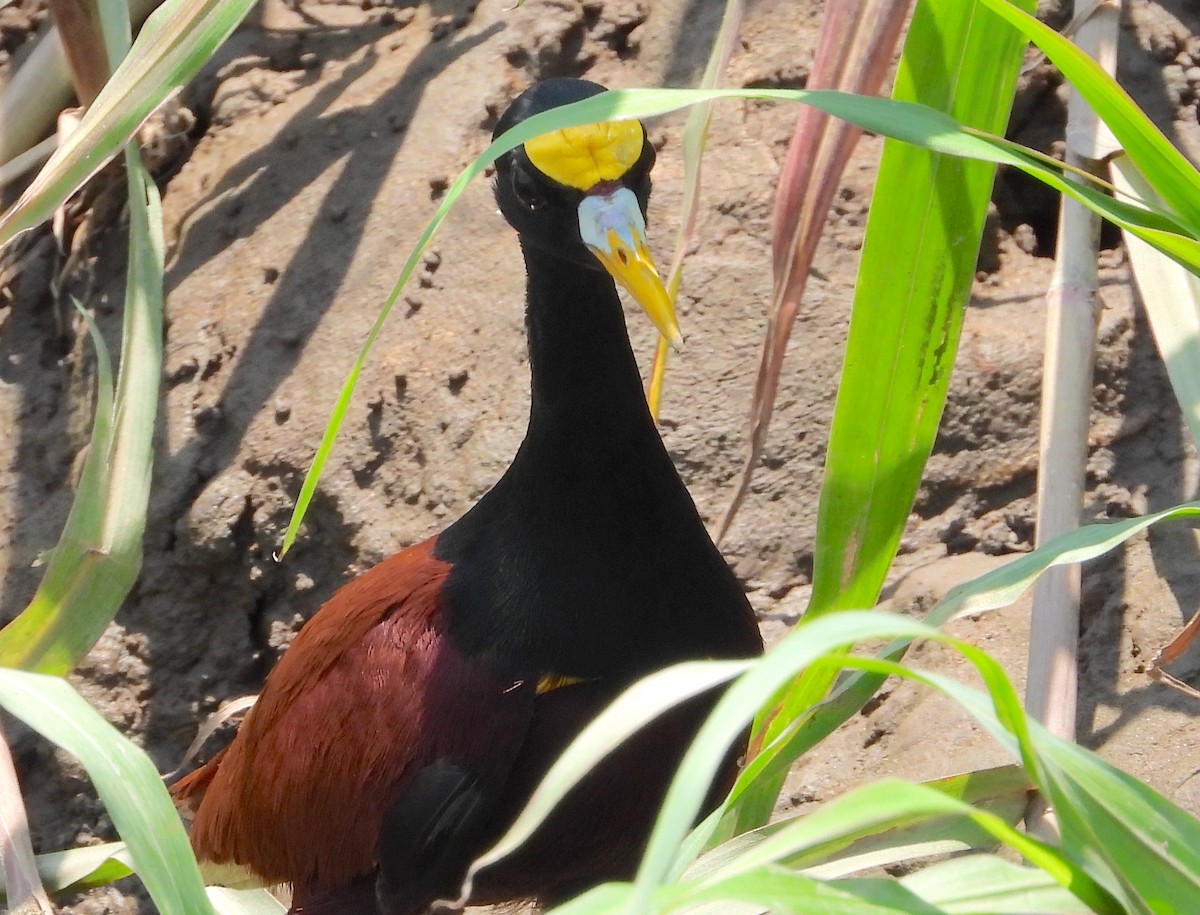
x=414, y=714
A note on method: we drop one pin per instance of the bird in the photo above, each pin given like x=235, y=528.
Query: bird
x=413, y=715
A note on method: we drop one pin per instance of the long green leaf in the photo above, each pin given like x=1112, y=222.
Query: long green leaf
x=932, y=130
x=75, y=559
x=995, y=589
x=79, y=869
x=1164, y=849
x=99, y=554
x=875, y=810
x=1001, y=586
x=1162, y=853
x=917, y=269
x=100, y=551
x=1173, y=177
x=767, y=891
x=129, y=785
x=818, y=641
x=1135, y=844
x=1152, y=846
x=779, y=891
x=1002, y=791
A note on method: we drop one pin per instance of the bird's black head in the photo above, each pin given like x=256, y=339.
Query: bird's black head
x=581, y=193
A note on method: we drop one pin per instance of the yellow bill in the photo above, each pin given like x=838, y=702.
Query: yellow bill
x=612, y=227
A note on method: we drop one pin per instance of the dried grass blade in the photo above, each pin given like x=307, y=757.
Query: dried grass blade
x=854, y=49
x=211, y=725
x=23, y=890
x=695, y=138
x=34, y=95
x=78, y=24
x=1173, y=651
x=1072, y=312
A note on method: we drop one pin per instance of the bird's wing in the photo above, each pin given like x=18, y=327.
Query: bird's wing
x=370, y=694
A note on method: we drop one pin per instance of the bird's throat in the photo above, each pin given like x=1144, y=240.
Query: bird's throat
x=582, y=368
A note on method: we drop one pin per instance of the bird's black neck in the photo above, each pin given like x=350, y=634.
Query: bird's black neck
x=583, y=369
x=590, y=529
x=590, y=437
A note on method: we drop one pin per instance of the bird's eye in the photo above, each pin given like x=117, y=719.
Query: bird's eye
x=527, y=192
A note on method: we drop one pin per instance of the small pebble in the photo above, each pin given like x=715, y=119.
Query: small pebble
x=1025, y=238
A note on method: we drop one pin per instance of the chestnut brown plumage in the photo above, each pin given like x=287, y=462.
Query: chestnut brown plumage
x=414, y=714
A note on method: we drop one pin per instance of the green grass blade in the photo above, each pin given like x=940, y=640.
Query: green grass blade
x=226, y=901
x=115, y=30
x=889, y=810
x=1134, y=844
x=811, y=642
x=1168, y=171
x=732, y=714
x=74, y=555
x=1159, y=866
x=130, y=787
x=772, y=890
x=734, y=711
x=780, y=891
x=931, y=130
x=1140, y=846
x=1166, y=842
x=989, y=885
x=100, y=552
x=1167, y=847
x=1001, y=586
x=1003, y=791
x=995, y=589
x=917, y=268
x=1001, y=713
x=79, y=869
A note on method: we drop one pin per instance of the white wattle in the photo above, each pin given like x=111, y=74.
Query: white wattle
x=617, y=212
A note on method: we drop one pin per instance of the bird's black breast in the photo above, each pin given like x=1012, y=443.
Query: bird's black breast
x=591, y=561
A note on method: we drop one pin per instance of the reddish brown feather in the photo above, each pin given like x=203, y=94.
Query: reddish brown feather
x=369, y=693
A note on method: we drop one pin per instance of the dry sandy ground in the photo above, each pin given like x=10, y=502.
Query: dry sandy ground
x=325, y=134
